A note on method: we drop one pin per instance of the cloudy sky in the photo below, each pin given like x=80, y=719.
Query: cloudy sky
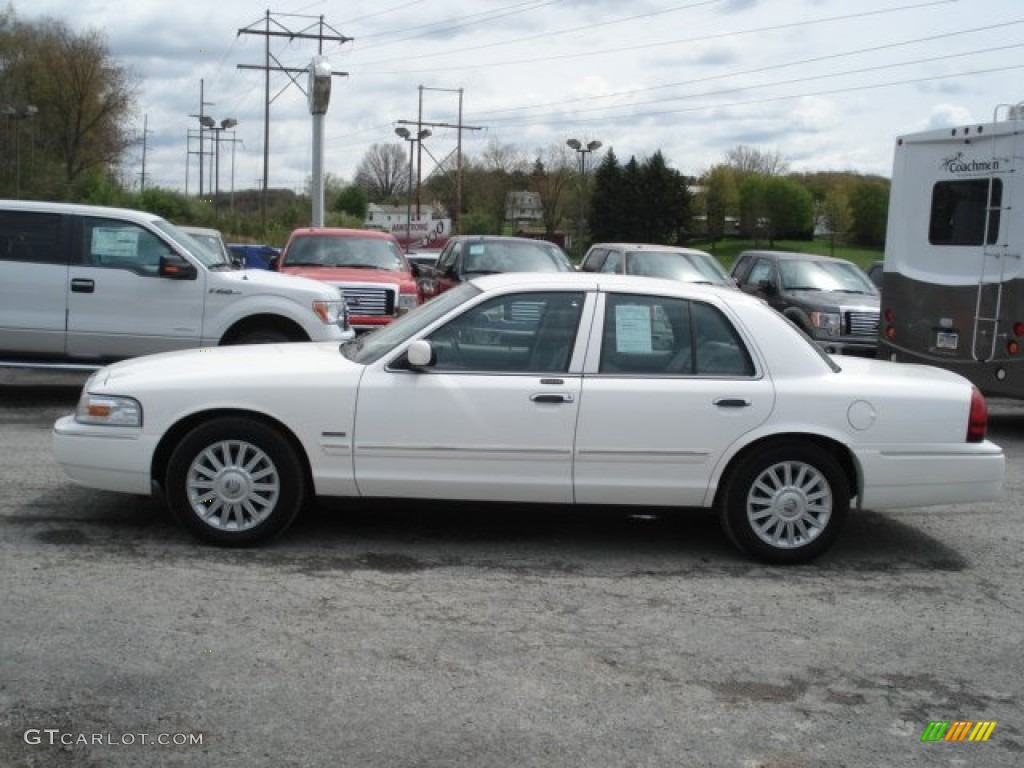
x=828, y=84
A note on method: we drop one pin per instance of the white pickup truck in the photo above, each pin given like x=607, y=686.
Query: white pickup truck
x=82, y=286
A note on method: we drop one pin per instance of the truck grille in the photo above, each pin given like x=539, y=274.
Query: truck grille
x=861, y=324
x=368, y=301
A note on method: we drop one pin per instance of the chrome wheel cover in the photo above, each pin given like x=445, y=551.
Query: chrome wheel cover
x=789, y=504
x=233, y=485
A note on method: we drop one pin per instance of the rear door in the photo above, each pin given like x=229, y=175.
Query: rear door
x=33, y=283
x=669, y=386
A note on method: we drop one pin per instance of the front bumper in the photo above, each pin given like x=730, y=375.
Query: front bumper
x=107, y=458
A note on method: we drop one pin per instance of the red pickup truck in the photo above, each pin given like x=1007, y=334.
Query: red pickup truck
x=369, y=268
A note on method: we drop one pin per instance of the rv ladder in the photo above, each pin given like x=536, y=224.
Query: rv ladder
x=992, y=273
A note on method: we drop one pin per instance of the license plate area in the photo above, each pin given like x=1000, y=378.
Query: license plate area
x=947, y=340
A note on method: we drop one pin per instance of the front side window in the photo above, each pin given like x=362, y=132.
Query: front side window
x=653, y=335
x=28, y=236
x=762, y=271
x=113, y=244
x=959, y=212
x=517, y=333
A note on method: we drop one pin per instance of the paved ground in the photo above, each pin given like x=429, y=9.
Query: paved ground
x=474, y=636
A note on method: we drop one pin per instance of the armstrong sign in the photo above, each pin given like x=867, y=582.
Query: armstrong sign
x=419, y=232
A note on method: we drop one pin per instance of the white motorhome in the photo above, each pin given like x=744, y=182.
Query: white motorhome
x=953, y=281
x=81, y=286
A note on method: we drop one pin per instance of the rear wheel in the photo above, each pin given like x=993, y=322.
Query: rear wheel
x=235, y=482
x=785, y=502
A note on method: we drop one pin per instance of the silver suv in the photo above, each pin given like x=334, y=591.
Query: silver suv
x=81, y=286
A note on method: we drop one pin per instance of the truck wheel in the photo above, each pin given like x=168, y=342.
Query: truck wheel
x=785, y=503
x=262, y=336
x=235, y=482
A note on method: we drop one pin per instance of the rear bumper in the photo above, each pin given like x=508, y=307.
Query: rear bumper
x=936, y=476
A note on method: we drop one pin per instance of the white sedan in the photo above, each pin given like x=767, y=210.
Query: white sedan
x=554, y=388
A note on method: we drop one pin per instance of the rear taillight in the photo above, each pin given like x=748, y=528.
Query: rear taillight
x=977, y=422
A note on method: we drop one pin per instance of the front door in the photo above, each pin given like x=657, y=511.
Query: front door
x=118, y=305
x=493, y=418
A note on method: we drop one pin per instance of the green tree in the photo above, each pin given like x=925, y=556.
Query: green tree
x=353, y=201
x=789, y=209
x=721, y=199
x=84, y=101
x=606, y=216
x=869, y=205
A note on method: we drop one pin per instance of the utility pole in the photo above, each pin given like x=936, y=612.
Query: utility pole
x=420, y=125
x=280, y=30
x=202, y=140
x=145, y=134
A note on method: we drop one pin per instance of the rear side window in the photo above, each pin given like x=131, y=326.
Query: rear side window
x=27, y=236
x=650, y=335
x=959, y=212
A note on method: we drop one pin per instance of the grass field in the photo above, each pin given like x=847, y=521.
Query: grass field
x=726, y=251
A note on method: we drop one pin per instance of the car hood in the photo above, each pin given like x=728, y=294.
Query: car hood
x=234, y=368
x=259, y=281
x=348, y=274
x=836, y=298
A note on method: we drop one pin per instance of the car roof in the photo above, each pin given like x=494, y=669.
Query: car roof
x=585, y=281
x=79, y=209
x=501, y=238
x=794, y=256
x=651, y=247
x=188, y=229
x=344, y=232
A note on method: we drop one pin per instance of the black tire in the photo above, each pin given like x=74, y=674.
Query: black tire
x=263, y=335
x=235, y=482
x=785, y=502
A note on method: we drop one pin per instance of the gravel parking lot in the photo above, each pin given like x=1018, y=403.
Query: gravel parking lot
x=407, y=634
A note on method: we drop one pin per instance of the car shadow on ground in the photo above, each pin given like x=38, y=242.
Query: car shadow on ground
x=338, y=535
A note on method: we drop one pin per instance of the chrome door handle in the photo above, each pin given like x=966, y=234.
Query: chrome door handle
x=552, y=397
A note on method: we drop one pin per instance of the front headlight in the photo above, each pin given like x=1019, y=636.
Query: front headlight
x=328, y=310
x=108, y=410
x=827, y=322
x=406, y=301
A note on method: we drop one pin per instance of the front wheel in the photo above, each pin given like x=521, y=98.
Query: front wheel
x=786, y=502
x=235, y=482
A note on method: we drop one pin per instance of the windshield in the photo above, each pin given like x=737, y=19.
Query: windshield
x=676, y=265
x=344, y=251
x=371, y=346
x=825, y=276
x=209, y=257
x=493, y=256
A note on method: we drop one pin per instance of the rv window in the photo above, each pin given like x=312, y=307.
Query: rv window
x=958, y=212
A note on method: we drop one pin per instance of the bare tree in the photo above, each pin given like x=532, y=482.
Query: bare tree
x=747, y=159
x=505, y=158
x=383, y=172
x=550, y=178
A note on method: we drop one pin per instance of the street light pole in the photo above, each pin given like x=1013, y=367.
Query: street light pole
x=582, y=151
x=211, y=125
x=18, y=114
x=406, y=134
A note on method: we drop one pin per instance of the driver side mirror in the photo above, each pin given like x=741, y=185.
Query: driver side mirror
x=767, y=286
x=176, y=267
x=421, y=354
